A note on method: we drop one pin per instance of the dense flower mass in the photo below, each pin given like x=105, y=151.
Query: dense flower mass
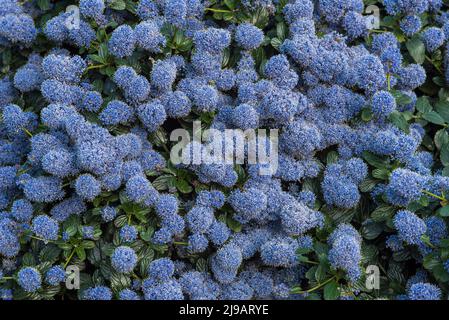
x=357, y=115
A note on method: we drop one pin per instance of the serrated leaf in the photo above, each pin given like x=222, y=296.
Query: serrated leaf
x=331, y=291
x=433, y=117
x=444, y=154
x=442, y=107
x=382, y=174
x=183, y=186
x=423, y=104
x=117, y=5
x=399, y=121
x=417, y=49
x=444, y=211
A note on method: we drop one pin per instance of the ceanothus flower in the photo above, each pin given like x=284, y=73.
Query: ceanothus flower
x=176, y=103
x=166, y=206
x=345, y=252
x=433, y=38
x=163, y=74
x=168, y=290
x=199, y=219
x=45, y=227
x=74, y=205
x=29, y=279
x=108, y=213
x=59, y=163
x=149, y=37
x=55, y=275
x=199, y=286
x=43, y=189
x=161, y=269
x=87, y=187
x=212, y=40
x=63, y=68
x=124, y=259
x=122, y=41
x=22, y=210
x=424, y=291
x=92, y=101
x=411, y=77
x=218, y=233
x=116, y=112
x=369, y=73
x=18, y=28
x=248, y=36
x=213, y=198
x=238, y=290
x=147, y=9
x=279, y=252
x=409, y=226
x=127, y=294
x=175, y=11
x=248, y=204
x=92, y=8
x=245, y=117
x=138, y=188
x=128, y=233
x=97, y=293
x=383, y=103
x=410, y=25
x=355, y=24
x=197, y=243
x=298, y=10
x=152, y=115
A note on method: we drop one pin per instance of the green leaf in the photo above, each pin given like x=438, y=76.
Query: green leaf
x=117, y=5
x=332, y=157
x=442, y=107
x=281, y=31
x=49, y=253
x=183, y=186
x=423, y=105
x=416, y=49
x=382, y=174
x=441, y=138
x=28, y=260
x=331, y=291
x=366, y=114
x=120, y=221
x=430, y=261
x=444, y=211
x=44, y=5
x=321, y=271
x=233, y=224
x=382, y=212
x=367, y=185
x=231, y=4
x=444, y=154
x=201, y=265
x=374, y=160
x=81, y=253
x=399, y=121
x=88, y=244
x=433, y=117
x=276, y=43
x=371, y=229
x=401, y=98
